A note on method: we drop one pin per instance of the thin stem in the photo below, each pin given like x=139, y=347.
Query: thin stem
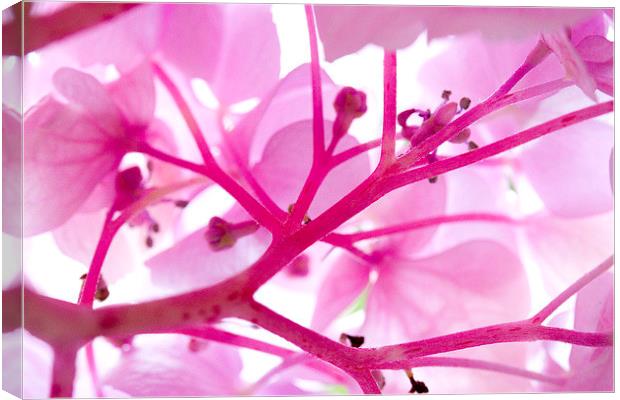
x=534, y=58
x=400, y=356
x=213, y=170
x=367, y=382
x=408, y=226
x=388, y=140
x=571, y=290
x=484, y=365
x=474, y=114
x=172, y=160
x=452, y=163
x=92, y=368
x=247, y=175
x=186, y=112
x=318, y=126
x=87, y=294
x=346, y=155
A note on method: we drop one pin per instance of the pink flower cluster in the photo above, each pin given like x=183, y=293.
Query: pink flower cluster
x=442, y=223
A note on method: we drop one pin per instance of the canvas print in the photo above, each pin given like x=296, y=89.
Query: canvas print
x=221, y=199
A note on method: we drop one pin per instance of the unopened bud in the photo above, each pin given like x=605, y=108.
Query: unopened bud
x=349, y=104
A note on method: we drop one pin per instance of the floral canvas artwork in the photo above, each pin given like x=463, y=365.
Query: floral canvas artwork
x=294, y=199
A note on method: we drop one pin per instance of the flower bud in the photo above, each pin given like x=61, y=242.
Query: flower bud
x=349, y=104
x=221, y=234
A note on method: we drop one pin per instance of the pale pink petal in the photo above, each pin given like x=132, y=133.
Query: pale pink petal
x=78, y=238
x=286, y=162
x=134, y=94
x=574, y=65
x=124, y=41
x=191, y=264
x=288, y=102
x=592, y=368
x=477, y=190
x=11, y=171
x=569, y=170
x=595, y=49
x=166, y=366
x=65, y=157
x=467, y=286
x=87, y=93
x=250, y=38
x=343, y=284
x=346, y=29
x=413, y=202
x=565, y=249
x=28, y=360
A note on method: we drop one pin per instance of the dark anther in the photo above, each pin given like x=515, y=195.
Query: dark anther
x=446, y=94
x=102, y=292
x=356, y=341
x=465, y=102
x=149, y=242
x=471, y=145
x=433, y=179
x=181, y=203
x=155, y=227
x=416, y=386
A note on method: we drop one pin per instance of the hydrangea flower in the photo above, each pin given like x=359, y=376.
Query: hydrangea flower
x=441, y=223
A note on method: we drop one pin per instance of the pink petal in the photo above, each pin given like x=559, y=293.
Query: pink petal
x=191, y=264
x=467, y=286
x=569, y=170
x=65, y=157
x=134, y=94
x=28, y=360
x=595, y=49
x=413, y=202
x=346, y=29
x=86, y=93
x=344, y=283
x=288, y=102
x=565, y=249
x=124, y=41
x=592, y=368
x=78, y=238
x=574, y=65
x=286, y=163
x=250, y=38
x=165, y=366
x=11, y=171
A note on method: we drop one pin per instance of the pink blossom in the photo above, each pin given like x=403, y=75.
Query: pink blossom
x=415, y=217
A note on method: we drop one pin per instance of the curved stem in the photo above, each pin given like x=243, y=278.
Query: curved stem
x=457, y=362
x=571, y=290
x=408, y=226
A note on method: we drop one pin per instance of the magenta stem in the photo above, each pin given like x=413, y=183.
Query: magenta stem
x=172, y=160
x=247, y=175
x=571, y=290
x=474, y=114
x=457, y=362
x=92, y=368
x=63, y=372
x=253, y=207
x=534, y=58
x=318, y=125
x=407, y=226
x=366, y=381
x=87, y=294
x=452, y=163
x=388, y=139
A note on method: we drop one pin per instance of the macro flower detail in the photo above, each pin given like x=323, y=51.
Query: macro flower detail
x=285, y=199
